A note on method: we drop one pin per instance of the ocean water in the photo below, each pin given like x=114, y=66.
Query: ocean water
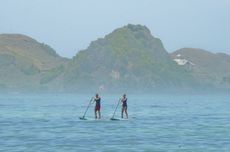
x=172, y=123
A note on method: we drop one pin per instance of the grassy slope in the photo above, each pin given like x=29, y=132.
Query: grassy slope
x=209, y=67
x=27, y=64
x=128, y=57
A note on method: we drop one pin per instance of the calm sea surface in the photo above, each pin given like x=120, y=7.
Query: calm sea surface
x=172, y=123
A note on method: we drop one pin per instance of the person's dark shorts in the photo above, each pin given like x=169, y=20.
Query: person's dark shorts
x=97, y=107
x=124, y=106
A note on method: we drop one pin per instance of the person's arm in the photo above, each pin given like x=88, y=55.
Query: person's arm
x=93, y=100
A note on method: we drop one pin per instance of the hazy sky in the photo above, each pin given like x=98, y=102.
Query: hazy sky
x=70, y=25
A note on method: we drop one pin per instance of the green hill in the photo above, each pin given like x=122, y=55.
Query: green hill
x=26, y=64
x=209, y=68
x=128, y=58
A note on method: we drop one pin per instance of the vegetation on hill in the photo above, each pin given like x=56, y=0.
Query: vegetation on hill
x=129, y=57
x=26, y=64
x=209, y=68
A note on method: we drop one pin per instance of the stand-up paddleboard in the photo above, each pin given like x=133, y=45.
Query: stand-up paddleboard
x=118, y=119
x=90, y=119
x=111, y=119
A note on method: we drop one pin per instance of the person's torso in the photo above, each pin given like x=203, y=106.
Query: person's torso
x=124, y=101
x=98, y=101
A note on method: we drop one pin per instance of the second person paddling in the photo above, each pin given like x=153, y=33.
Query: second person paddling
x=97, y=109
x=124, y=106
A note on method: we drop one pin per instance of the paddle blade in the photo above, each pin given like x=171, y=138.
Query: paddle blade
x=82, y=118
x=114, y=119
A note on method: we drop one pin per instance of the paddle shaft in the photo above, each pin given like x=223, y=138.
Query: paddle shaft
x=116, y=108
x=87, y=108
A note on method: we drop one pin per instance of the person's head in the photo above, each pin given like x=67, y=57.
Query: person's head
x=124, y=95
x=97, y=95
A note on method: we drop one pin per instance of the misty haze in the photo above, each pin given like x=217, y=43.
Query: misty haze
x=114, y=75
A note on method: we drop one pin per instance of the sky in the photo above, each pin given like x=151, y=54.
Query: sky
x=70, y=25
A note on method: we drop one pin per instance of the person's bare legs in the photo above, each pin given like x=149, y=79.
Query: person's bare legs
x=122, y=112
x=99, y=114
x=95, y=114
x=126, y=112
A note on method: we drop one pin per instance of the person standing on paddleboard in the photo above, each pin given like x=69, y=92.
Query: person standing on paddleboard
x=97, y=109
x=124, y=106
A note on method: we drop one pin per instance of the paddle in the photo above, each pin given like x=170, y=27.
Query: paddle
x=115, y=111
x=83, y=117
